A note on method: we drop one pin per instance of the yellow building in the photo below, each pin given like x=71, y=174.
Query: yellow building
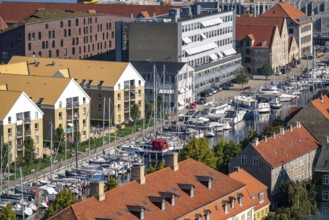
x=20, y=118
x=64, y=103
x=118, y=81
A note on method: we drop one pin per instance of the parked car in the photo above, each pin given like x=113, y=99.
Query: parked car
x=201, y=101
x=226, y=87
x=192, y=105
x=208, y=93
x=214, y=91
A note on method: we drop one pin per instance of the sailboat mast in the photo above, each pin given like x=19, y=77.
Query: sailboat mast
x=20, y=172
x=1, y=165
x=103, y=123
x=109, y=123
x=51, y=150
x=163, y=95
x=154, y=103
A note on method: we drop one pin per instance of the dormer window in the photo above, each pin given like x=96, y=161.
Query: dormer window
x=187, y=188
x=261, y=197
x=205, y=180
x=225, y=206
x=40, y=101
x=82, y=82
x=231, y=200
x=137, y=211
x=240, y=197
x=158, y=201
x=169, y=197
x=207, y=213
x=198, y=217
x=89, y=82
x=100, y=83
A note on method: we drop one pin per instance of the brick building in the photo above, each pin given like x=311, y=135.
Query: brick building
x=288, y=155
x=185, y=190
x=61, y=34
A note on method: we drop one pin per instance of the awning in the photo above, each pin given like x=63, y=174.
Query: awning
x=201, y=48
x=229, y=52
x=203, y=36
x=70, y=124
x=213, y=57
x=211, y=22
x=187, y=40
x=181, y=103
x=220, y=55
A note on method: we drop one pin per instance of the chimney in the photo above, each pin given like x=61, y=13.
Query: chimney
x=138, y=173
x=265, y=138
x=297, y=124
x=255, y=141
x=327, y=139
x=273, y=135
x=97, y=190
x=321, y=97
x=237, y=168
x=171, y=160
x=54, y=63
x=282, y=131
x=132, y=16
x=290, y=126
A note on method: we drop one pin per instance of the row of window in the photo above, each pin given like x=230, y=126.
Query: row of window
x=69, y=22
x=10, y=132
x=198, y=25
x=18, y=118
x=244, y=160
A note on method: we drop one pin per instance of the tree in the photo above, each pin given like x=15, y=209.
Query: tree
x=134, y=112
x=63, y=199
x=7, y=213
x=267, y=70
x=251, y=136
x=4, y=156
x=148, y=109
x=277, y=123
x=300, y=201
x=58, y=139
x=225, y=151
x=111, y=183
x=241, y=76
x=29, y=155
x=199, y=150
x=154, y=168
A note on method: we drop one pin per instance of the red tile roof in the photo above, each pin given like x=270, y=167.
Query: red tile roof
x=285, y=10
x=254, y=187
x=322, y=105
x=261, y=21
x=286, y=147
x=260, y=34
x=13, y=12
x=166, y=180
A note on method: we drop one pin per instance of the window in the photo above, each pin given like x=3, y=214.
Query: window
x=84, y=122
x=291, y=31
x=36, y=139
x=84, y=100
x=325, y=211
x=69, y=23
x=325, y=195
x=119, y=96
x=261, y=197
x=77, y=22
x=119, y=107
x=9, y=132
x=243, y=159
x=36, y=114
x=325, y=180
x=99, y=95
x=119, y=86
x=9, y=120
x=46, y=26
x=60, y=104
x=139, y=82
x=62, y=24
x=36, y=126
x=84, y=111
x=60, y=116
x=255, y=160
x=84, y=133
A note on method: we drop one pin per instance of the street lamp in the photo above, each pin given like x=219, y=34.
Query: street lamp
x=76, y=139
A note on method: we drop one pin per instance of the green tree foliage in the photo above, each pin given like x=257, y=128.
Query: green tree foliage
x=198, y=149
x=29, y=155
x=63, y=199
x=277, y=123
x=148, y=109
x=111, y=184
x=59, y=139
x=225, y=151
x=134, y=112
x=241, y=76
x=4, y=156
x=300, y=201
x=251, y=136
x=156, y=167
x=7, y=213
x=267, y=70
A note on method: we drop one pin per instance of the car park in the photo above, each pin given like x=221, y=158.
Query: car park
x=201, y=101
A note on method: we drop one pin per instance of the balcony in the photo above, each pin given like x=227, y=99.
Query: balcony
x=132, y=97
x=126, y=88
x=27, y=133
x=19, y=134
x=69, y=118
x=126, y=110
x=27, y=120
x=20, y=147
x=76, y=104
x=69, y=105
x=69, y=130
x=127, y=99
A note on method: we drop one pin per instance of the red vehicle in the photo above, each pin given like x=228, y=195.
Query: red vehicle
x=159, y=145
x=192, y=105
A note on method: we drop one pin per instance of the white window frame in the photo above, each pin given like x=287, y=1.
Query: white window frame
x=9, y=120
x=243, y=159
x=36, y=139
x=325, y=195
x=325, y=179
x=325, y=211
x=255, y=160
x=261, y=197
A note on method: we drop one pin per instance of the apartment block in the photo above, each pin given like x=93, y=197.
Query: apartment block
x=117, y=81
x=20, y=118
x=61, y=34
x=63, y=101
x=203, y=39
x=265, y=40
x=174, y=81
x=184, y=190
x=300, y=26
x=288, y=155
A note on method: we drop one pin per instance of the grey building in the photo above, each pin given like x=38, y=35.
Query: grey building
x=288, y=155
x=174, y=82
x=204, y=39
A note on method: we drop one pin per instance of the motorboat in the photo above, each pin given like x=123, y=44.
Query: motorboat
x=234, y=116
x=269, y=90
x=275, y=103
x=245, y=102
x=287, y=97
x=263, y=107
